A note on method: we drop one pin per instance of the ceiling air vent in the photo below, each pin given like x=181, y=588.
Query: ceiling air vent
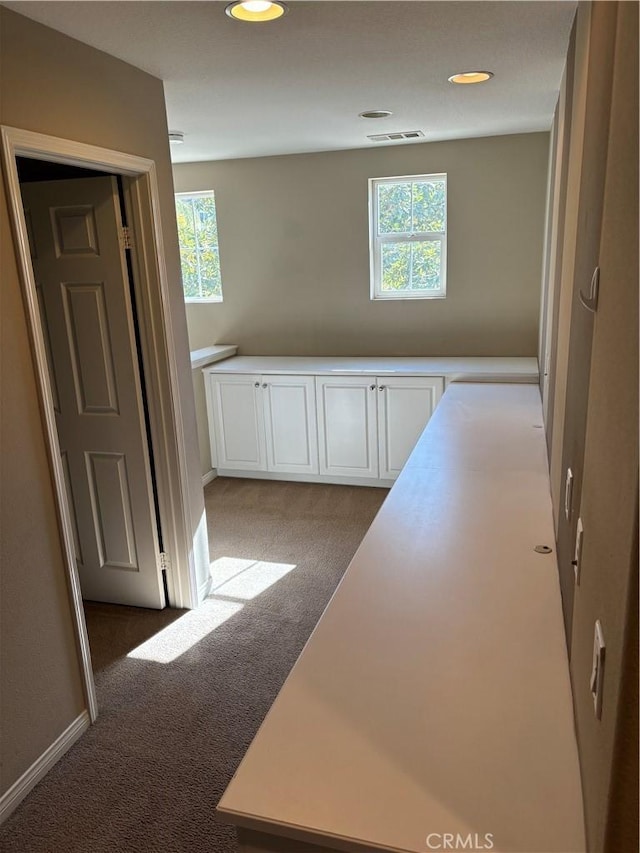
x=396, y=137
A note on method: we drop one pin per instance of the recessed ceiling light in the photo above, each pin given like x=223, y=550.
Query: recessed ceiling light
x=256, y=11
x=471, y=77
x=375, y=114
x=176, y=137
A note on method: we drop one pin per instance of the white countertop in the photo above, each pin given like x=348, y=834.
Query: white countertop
x=209, y=355
x=478, y=369
x=434, y=693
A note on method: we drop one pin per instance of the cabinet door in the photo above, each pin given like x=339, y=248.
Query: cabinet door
x=347, y=430
x=290, y=424
x=238, y=422
x=404, y=407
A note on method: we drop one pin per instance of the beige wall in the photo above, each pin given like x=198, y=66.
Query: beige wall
x=55, y=85
x=609, y=497
x=40, y=689
x=293, y=236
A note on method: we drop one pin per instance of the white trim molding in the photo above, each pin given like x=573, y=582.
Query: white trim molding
x=12, y=798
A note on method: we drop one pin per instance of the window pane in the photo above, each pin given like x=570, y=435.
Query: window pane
x=186, y=231
x=210, y=273
x=394, y=208
x=396, y=266
x=206, y=224
x=189, y=261
x=411, y=266
x=429, y=206
x=426, y=265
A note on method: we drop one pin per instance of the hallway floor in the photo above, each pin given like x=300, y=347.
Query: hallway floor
x=179, y=710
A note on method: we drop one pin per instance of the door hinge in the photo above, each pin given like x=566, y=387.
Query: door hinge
x=165, y=562
x=127, y=237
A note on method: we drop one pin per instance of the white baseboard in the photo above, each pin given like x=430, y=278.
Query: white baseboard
x=209, y=476
x=12, y=798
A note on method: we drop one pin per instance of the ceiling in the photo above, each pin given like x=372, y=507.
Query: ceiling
x=298, y=84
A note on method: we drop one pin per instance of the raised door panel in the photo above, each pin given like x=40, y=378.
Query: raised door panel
x=347, y=430
x=404, y=408
x=290, y=424
x=111, y=509
x=90, y=346
x=239, y=422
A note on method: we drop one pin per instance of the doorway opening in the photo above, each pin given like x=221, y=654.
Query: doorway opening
x=81, y=259
x=107, y=372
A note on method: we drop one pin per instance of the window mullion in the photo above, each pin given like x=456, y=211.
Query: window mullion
x=406, y=236
x=397, y=237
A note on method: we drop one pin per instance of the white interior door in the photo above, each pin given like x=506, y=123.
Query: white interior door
x=290, y=424
x=239, y=422
x=404, y=408
x=347, y=430
x=83, y=290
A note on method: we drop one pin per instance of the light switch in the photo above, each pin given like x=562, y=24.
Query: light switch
x=597, y=670
x=577, y=556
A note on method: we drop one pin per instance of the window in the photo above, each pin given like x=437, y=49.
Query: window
x=199, y=253
x=408, y=237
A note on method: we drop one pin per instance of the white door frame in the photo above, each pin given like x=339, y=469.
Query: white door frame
x=158, y=352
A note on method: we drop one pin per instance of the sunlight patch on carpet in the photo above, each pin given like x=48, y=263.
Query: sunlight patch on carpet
x=245, y=579
x=177, y=638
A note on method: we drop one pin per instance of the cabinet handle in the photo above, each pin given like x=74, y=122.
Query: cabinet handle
x=372, y=387
x=264, y=384
x=256, y=384
x=382, y=387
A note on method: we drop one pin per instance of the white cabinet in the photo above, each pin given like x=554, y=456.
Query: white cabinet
x=347, y=430
x=263, y=423
x=368, y=426
x=290, y=424
x=404, y=408
x=329, y=428
x=236, y=407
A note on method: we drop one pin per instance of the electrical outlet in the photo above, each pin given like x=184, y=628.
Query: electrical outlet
x=577, y=556
x=597, y=670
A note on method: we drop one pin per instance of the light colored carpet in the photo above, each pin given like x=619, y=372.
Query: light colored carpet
x=148, y=775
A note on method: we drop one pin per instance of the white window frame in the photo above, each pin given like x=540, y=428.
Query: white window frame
x=204, y=299
x=376, y=241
